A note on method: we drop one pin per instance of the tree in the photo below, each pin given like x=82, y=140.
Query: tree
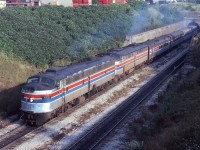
x=94, y=1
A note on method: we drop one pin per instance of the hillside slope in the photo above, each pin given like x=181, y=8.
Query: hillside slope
x=12, y=74
x=46, y=36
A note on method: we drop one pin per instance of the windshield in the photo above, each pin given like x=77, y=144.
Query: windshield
x=42, y=80
x=33, y=80
x=47, y=81
x=116, y=56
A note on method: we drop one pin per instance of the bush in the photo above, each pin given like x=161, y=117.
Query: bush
x=48, y=34
x=42, y=35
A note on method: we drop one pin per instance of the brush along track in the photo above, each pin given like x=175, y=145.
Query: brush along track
x=101, y=130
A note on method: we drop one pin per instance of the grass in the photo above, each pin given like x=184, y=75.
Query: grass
x=178, y=118
x=12, y=74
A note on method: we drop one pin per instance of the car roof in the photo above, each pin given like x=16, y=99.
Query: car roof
x=128, y=50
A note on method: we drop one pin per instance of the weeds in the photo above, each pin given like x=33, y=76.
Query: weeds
x=134, y=145
x=12, y=74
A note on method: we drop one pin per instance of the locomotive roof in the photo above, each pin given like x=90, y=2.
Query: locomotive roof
x=60, y=72
x=176, y=33
x=128, y=50
x=161, y=38
x=131, y=49
x=157, y=40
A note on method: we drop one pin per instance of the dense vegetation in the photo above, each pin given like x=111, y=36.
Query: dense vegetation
x=42, y=35
x=48, y=35
x=175, y=125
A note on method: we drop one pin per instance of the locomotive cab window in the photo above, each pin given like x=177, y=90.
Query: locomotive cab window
x=33, y=80
x=58, y=84
x=47, y=81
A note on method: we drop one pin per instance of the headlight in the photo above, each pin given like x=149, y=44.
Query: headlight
x=31, y=100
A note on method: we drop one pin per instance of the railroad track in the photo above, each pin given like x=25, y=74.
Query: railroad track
x=18, y=132
x=102, y=129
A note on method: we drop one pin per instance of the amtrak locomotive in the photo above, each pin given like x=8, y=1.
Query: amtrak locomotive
x=49, y=93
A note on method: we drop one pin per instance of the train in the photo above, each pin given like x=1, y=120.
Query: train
x=47, y=94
